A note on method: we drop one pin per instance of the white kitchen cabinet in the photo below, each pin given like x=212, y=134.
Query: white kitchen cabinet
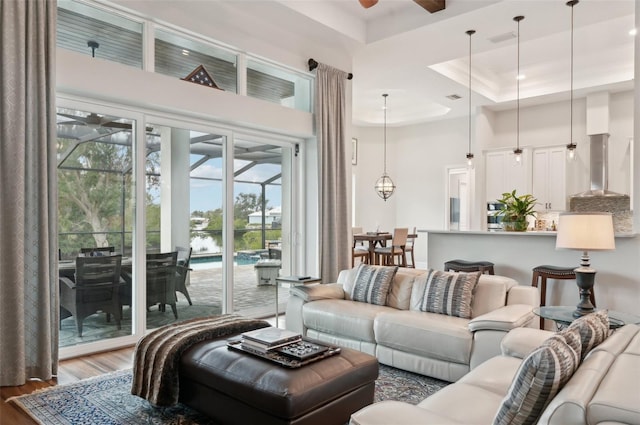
x=503, y=175
x=548, y=178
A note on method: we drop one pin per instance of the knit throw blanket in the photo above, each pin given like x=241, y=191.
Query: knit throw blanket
x=157, y=355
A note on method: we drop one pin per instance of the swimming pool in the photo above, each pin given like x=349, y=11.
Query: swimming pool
x=210, y=261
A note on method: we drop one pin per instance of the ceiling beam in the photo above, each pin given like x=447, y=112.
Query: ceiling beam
x=431, y=5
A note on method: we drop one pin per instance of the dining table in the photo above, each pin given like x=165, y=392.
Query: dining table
x=376, y=239
x=67, y=268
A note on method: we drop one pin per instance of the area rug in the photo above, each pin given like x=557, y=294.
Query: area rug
x=106, y=400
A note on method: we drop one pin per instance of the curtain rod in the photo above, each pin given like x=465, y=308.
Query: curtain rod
x=313, y=64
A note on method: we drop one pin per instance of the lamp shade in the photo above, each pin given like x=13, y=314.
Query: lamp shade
x=585, y=231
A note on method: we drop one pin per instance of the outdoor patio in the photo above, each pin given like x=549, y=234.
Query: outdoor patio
x=205, y=289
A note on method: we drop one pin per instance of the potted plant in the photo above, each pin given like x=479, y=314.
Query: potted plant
x=515, y=210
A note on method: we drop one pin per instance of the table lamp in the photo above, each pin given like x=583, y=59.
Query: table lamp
x=585, y=231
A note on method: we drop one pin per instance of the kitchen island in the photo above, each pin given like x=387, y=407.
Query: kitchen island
x=515, y=254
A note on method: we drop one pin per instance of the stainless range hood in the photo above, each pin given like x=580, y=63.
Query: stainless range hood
x=599, y=167
x=599, y=198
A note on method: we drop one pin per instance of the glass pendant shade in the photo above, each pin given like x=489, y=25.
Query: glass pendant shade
x=385, y=187
x=517, y=156
x=470, y=160
x=571, y=151
x=517, y=152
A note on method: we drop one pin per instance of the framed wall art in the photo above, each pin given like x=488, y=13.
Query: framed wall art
x=354, y=151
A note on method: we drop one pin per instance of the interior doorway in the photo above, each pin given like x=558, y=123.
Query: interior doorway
x=458, y=202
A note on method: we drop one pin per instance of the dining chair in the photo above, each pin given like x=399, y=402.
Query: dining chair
x=97, y=251
x=96, y=289
x=359, y=250
x=408, y=248
x=161, y=280
x=182, y=270
x=388, y=254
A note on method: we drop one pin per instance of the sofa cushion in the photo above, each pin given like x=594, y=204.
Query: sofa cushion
x=593, y=329
x=343, y=318
x=461, y=404
x=540, y=377
x=400, y=293
x=617, y=398
x=432, y=335
x=490, y=294
x=372, y=283
x=447, y=293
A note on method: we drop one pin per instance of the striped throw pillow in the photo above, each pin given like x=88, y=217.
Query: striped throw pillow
x=447, y=293
x=372, y=283
x=540, y=377
x=593, y=329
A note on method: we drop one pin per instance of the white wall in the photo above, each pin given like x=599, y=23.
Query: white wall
x=416, y=160
x=371, y=211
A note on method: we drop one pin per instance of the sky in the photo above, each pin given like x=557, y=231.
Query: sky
x=206, y=195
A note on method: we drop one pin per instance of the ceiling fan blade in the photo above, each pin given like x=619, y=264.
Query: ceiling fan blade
x=114, y=124
x=431, y=5
x=76, y=119
x=368, y=3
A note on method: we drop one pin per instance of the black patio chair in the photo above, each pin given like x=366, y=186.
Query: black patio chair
x=97, y=251
x=182, y=270
x=96, y=289
x=161, y=280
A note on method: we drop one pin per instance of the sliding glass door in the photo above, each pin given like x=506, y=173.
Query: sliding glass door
x=218, y=214
x=262, y=171
x=184, y=212
x=95, y=218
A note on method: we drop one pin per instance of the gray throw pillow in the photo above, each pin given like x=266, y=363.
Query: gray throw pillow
x=593, y=329
x=447, y=293
x=372, y=283
x=540, y=377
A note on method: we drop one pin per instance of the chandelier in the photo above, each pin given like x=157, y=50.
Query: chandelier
x=384, y=186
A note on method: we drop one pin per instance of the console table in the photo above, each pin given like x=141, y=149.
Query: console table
x=293, y=281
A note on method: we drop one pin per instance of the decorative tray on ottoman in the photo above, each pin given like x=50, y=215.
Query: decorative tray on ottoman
x=292, y=355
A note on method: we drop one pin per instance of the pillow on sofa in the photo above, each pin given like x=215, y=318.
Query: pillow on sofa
x=371, y=284
x=593, y=329
x=447, y=293
x=540, y=377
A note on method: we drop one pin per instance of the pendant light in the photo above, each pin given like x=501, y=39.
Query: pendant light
x=384, y=186
x=469, y=153
x=517, y=151
x=571, y=147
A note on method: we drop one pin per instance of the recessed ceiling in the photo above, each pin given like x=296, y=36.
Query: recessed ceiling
x=421, y=58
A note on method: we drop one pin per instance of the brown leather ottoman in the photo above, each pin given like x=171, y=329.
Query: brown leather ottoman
x=237, y=388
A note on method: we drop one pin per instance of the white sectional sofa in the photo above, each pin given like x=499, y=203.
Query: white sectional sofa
x=603, y=390
x=400, y=335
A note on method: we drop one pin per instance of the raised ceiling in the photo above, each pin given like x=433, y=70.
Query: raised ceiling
x=420, y=58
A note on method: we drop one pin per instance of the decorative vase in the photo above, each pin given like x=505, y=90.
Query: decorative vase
x=515, y=226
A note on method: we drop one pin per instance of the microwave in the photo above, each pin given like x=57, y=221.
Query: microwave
x=494, y=220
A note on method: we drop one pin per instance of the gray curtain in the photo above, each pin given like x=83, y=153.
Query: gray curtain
x=28, y=223
x=334, y=173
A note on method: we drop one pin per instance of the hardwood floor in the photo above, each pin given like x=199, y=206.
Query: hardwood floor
x=73, y=370
x=69, y=371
